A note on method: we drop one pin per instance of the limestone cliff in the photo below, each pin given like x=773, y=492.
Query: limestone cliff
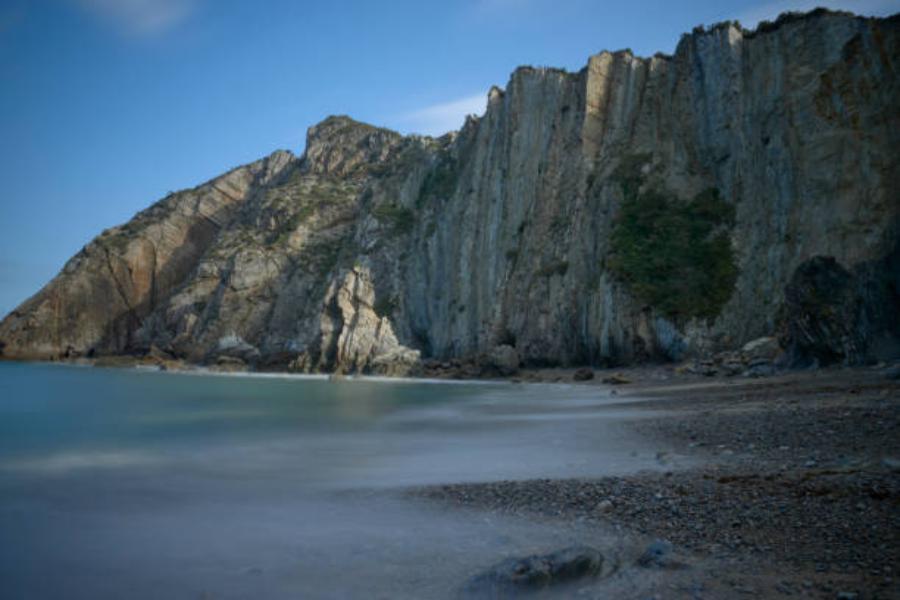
x=640, y=208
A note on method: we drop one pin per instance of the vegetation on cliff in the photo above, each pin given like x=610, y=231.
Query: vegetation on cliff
x=674, y=255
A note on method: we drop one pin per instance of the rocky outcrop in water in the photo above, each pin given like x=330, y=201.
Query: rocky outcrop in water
x=641, y=208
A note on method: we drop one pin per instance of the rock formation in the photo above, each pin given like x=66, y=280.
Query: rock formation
x=641, y=208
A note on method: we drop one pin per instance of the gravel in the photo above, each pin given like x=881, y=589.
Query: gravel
x=797, y=492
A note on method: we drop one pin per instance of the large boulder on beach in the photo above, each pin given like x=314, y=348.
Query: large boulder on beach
x=505, y=359
x=521, y=575
x=832, y=314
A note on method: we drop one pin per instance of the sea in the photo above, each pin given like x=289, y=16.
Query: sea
x=122, y=483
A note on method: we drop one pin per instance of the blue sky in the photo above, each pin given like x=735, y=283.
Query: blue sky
x=106, y=105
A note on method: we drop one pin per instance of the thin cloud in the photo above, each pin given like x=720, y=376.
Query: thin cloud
x=770, y=10
x=438, y=119
x=141, y=17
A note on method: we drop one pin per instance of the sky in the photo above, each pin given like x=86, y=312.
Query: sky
x=107, y=105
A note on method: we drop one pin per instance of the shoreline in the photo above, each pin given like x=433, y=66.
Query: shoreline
x=796, y=491
x=647, y=377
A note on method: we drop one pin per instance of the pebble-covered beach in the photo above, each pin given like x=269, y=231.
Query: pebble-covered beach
x=780, y=487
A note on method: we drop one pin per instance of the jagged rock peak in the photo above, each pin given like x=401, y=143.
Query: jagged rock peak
x=342, y=147
x=274, y=164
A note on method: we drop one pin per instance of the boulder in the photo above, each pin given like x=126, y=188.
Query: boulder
x=583, y=374
x=835, y=315
x=230, y=363
x=522, y=575
x=616, y=379
x=398, y=362
x=505, y=359
x=234, y=346
x=764, y=347
x=819, y=313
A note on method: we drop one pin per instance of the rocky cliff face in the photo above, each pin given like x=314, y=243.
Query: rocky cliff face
x=641, y=208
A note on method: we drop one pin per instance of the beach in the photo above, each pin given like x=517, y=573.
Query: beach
x=792, y=488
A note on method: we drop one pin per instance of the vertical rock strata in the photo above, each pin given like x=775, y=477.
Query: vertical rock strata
x=374, y=250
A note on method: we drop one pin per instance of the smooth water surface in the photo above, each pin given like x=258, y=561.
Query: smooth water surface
x=120, y=483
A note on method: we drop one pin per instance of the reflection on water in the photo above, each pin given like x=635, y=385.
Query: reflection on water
x=149, y=485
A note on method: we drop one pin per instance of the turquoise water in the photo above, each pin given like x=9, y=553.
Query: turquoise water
x=120, y=483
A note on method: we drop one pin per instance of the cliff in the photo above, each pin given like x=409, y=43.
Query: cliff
x=642, y=208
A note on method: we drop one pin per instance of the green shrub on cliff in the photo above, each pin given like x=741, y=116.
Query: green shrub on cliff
x=674, y=255
x=440, y=182
x=400, y=218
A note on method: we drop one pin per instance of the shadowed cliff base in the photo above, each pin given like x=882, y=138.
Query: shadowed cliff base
x=760, y=170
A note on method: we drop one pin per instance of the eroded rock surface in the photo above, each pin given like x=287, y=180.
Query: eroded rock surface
x=373, y=250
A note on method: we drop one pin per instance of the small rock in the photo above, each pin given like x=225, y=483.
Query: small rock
x=760, y=368
x=583, y=374
x=764, y=347
x=733, y=368
x=657, y=555
x=604, y=506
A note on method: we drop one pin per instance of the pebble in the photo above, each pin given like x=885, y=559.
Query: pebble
x=891, y=463
x=656, y=554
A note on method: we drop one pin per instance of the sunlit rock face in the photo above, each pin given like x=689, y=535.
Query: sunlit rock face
x=374, y=251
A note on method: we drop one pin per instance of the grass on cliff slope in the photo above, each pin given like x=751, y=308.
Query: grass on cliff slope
x=674, y=255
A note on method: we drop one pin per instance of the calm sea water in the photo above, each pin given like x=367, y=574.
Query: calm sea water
x=127, y=484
